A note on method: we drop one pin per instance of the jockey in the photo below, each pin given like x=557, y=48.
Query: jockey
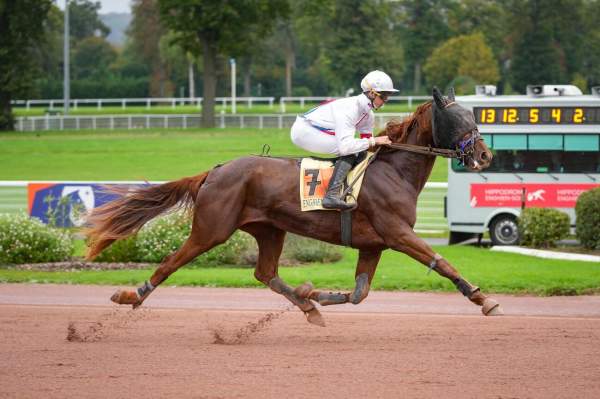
x=330, y=127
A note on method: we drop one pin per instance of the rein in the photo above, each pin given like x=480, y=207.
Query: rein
x=420, y=149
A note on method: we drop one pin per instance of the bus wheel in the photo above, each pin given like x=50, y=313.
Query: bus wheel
x=504, y=230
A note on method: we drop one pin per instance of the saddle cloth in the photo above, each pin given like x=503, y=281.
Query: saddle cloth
x=314, y=180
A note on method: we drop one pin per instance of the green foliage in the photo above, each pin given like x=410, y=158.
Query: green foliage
x=165, y=235
x=120, y=251
x=21, y=28
x=307, y=250
x=216, y=28
x=466, y=56
x=27, y=240
x=542, y=227
x=84, y=20
x=92, y=58
x=587, y=212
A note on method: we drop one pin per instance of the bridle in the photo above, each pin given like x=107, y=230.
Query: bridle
x=464, y=148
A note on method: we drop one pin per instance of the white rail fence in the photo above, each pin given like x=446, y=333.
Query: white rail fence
x=167, y=121
x=147, y=102
x=99, y=103
x=303, y=100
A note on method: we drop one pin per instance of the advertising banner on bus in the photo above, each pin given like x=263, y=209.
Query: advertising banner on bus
x=537, y=195
x=65, y=204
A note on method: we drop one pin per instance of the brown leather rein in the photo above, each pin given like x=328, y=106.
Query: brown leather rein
x=419, y=149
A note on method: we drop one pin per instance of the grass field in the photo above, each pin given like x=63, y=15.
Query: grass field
x=152, y=155
x=137, y=155
x=492, y=271
x=290, y=108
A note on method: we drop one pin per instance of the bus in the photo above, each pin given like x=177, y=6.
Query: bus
x=546, y=153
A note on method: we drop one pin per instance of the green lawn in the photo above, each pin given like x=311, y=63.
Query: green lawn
x=138, y=154
x=492, y=271
x=290, y=108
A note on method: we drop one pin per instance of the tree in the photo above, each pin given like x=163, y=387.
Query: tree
x=92, y=58
x=21, y=28
x=218, y=28
x=84, y=20
x=548, y=41
x=467, y=57
x=146, y=31
x=424, y=25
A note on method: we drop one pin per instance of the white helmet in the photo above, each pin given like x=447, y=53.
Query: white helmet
x=377, y=81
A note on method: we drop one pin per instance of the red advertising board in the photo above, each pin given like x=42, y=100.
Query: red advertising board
x=538, y=195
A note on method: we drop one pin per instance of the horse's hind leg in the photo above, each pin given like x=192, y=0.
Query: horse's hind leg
x=270, y=244
x=207, y=232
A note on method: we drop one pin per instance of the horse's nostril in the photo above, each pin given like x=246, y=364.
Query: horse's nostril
x=484, y=156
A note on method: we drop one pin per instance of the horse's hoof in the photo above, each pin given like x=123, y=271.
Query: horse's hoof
x=125, y=297
x=491, y=308
x=314, y=317
x=304, y=290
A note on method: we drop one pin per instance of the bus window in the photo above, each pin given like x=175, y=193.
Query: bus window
x=516, y=161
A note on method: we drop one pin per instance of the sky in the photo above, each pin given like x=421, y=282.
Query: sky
x=107, y=5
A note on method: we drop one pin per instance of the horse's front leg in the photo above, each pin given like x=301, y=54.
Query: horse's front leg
x=408, y=242
x=365, y=270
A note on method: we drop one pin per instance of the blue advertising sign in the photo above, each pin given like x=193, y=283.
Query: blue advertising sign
x=66, y=204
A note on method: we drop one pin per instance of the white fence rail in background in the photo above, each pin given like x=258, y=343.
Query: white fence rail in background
x=52, y=104
x=147, y=102
x=303, y=100
x=168, y=121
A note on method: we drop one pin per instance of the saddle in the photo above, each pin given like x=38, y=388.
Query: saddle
x=315, y=173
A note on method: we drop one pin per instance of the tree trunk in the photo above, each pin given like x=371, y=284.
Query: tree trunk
x=6, y=116
x=289, y=64
x=246, y=70
x=191, y=80
x=290, y=61
x=417, y=78
x=210, y=83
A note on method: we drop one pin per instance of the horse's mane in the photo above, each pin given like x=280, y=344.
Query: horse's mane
x=398, y=131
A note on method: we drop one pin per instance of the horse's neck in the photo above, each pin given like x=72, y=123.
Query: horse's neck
x=415, y=168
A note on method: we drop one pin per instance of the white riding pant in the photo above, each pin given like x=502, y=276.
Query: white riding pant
x=309, y=138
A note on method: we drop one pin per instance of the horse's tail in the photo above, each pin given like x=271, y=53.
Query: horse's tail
x=126, y=215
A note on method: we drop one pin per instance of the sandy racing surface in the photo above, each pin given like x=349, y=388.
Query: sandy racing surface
x=70, y=341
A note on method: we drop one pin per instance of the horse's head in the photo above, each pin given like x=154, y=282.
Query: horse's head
x=454, y=128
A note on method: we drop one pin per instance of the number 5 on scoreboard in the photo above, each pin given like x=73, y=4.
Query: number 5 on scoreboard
x=534, y=115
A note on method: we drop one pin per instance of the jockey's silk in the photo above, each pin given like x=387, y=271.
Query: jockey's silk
x=330, y=127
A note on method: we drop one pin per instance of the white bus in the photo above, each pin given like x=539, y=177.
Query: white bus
x=546, y=153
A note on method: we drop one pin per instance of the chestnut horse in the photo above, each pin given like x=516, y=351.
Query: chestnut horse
x=260, y=195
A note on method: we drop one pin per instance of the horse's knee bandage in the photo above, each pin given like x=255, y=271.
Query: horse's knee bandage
x=434, y=261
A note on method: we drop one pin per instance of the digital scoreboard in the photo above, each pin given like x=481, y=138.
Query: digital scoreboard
x=537, y=115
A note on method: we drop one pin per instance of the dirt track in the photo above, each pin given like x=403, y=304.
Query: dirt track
x=394, y=345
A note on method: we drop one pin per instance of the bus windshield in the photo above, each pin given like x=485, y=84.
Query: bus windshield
x=514, y=153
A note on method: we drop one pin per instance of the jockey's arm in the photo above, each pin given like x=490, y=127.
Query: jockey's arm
x=345, y=129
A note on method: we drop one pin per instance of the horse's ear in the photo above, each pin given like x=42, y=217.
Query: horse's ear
x=438, y=98
x=451, y=94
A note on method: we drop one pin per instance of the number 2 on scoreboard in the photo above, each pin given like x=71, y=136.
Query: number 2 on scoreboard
x=578, y=115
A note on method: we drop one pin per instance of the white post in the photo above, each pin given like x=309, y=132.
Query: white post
x=66, y=62
x=233, y=83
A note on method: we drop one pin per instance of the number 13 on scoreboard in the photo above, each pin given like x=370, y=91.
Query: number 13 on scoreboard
x=488, y=115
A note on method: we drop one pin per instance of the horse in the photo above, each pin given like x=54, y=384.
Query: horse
x=260, y=195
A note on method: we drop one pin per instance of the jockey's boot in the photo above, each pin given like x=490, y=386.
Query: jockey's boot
x=340, y=171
